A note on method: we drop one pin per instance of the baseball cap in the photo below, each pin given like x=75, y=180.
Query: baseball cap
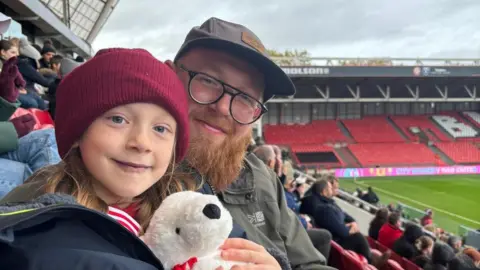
x=242, y=42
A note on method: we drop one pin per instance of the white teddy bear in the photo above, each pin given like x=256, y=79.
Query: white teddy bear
x=186, y=231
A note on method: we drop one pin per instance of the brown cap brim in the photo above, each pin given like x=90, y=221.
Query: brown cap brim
x=277, y=81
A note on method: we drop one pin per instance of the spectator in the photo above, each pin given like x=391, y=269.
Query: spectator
x=320, y=238
x=377, y=222
x=7, y=51
x=22, y=151
x=328, y=215
x=405, y=245
x=48, y=52
x=28, y=65
x=55, y=63
x=428, y=218
x=370, y=197
x=64, y=67
x=424, y=247
x=390, y=231
x=222, y=113
x=442, y=255
x=455, y=243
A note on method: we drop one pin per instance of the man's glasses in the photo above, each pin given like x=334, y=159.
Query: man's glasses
x=206, y=90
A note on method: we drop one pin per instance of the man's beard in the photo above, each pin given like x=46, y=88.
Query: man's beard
x=219, y=164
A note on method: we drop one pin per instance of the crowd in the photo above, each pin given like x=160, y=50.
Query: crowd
x=421, y=242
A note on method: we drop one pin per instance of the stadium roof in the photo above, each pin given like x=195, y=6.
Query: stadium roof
x=85, y=17
x=73, y=23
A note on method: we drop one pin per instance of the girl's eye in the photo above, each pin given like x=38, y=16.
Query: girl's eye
x=160, y=129
x=117, y=119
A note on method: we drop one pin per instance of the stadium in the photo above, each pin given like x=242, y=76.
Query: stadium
x=409, y=128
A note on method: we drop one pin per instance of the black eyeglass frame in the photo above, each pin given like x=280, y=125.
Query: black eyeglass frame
x=192, y=74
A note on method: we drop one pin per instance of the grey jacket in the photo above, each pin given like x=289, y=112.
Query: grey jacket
x=256, y=201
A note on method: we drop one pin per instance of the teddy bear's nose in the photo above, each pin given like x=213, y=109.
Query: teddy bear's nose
x=212, y=211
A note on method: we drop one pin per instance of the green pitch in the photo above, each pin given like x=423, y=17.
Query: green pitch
x=455, y=200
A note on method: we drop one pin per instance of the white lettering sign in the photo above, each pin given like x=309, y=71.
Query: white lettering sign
x=306, y=70
x=455, y=128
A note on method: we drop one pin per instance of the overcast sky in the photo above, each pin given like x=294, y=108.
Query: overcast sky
x=332, y=28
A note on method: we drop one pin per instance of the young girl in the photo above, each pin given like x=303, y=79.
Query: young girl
x=121, y=125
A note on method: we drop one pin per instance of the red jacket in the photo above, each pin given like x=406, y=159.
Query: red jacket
x=388, y=234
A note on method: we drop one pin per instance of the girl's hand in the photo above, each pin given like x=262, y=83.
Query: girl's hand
x=254, y=255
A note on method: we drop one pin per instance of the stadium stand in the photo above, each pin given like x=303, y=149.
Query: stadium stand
x=457, y=128
x=305, y=152
x=378, y=154
x=372, y=129
x=474, y=118
x=318, y=132
x=422, y=122
x=460, y=152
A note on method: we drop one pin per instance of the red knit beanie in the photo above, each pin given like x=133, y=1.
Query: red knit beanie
x=115, y=77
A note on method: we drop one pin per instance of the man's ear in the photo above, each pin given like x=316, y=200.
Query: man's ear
x=271, y=164
x=171, y=65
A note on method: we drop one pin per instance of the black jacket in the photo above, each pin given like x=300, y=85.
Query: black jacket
x=67, y=236
x=27, y=67
x=405, y=245
x=327, y=215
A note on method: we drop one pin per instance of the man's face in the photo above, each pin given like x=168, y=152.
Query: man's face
x=328, y=192
x=214, y=121
x=48, y=56
x=335, y=188
x=217, y=141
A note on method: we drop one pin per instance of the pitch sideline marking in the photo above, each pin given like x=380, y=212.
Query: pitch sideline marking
x=422, y=204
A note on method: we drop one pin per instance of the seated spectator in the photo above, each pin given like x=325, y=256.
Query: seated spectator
x=63, y=67
x=455, y=242
x=390, y=231
x=405, y=245
x=371, y=197
x=320, y=238
x=442, y=255
x=48, y=52
x=328, y=215
x=28, y=65
x=377, y=222
x=22, y=151
x=7, y=51
x=428, y=218
x=424, y=247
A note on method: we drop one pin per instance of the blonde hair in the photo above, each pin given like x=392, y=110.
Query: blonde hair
x=423, y=243
x=71, y=177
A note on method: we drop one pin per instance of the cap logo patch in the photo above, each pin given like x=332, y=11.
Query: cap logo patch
x=253, y=42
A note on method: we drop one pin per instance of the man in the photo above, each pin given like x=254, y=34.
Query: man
x=319, y=237
x=455, y=242
x=328, y=215
x=391, y=231
x=48, y=52
x=229, y=77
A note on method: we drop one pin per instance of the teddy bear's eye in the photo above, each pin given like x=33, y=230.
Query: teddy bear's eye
x=177, y=230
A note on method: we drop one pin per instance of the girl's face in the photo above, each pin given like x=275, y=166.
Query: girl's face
x=13, y=51
x=128, y=149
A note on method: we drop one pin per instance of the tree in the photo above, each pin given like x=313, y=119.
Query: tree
x=290, y=57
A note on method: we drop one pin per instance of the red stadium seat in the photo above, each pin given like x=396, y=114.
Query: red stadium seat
x=422, y=122
x=318, y=132
x=372, y=129
x=336, y=254
x=373, y=154
x=371, y=242
x=460, y=152
x=352, y=260
x=393, y=265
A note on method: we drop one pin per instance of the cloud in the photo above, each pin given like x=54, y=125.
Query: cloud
x=336, y=28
